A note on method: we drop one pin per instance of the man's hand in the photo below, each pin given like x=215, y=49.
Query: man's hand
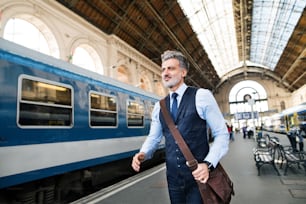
x=137, y=159
x=201, y=173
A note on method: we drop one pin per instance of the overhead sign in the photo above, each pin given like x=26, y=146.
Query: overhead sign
x=245, y=115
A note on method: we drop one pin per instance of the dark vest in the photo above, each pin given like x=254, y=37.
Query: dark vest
x=193, y=130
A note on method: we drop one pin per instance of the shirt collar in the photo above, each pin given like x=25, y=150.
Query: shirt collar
x=180, y=91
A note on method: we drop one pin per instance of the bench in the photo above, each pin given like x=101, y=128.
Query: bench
x=263, y=141
x=264, y=156
x=292, y=157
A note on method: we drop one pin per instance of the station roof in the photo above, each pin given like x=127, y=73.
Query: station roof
x=223, y=39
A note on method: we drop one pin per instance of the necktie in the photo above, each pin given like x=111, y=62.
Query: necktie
x=174, y=105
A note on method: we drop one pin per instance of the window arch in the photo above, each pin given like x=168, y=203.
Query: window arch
x=31, y=32
x=85, y=56
x=248, y=99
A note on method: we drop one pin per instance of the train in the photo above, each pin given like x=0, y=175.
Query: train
x=62, y=124
x=287, y=119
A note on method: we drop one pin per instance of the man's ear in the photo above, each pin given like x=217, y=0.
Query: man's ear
x=184, y=73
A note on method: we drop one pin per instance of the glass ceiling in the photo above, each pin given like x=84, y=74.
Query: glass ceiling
x=273, y=22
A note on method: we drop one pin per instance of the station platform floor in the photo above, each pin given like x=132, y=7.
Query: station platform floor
x=150, y=187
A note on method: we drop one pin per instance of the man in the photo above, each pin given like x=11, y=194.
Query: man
x=196, y=110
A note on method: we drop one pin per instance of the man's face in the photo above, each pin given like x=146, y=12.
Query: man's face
x=172, y=74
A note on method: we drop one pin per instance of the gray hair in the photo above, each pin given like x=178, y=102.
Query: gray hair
x=170, y=54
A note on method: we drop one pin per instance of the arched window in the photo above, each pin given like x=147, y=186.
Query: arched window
x=85, y=56
x=248, y=100
x=32, y=33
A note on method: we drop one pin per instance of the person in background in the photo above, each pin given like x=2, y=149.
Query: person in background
x=295, y=136
x=244, y=131
x=196, y=108
x=230, y=131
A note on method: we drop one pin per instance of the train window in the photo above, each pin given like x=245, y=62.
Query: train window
x=302, y=116
x=44, y=104
x=103, y=110
x=135, y=113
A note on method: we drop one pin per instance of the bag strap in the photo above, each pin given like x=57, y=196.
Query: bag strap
x=191, y=161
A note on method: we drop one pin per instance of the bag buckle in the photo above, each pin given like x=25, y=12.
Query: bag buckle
x=192, y=164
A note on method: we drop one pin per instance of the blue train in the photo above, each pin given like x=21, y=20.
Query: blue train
x=57, y=118
x=287, y=119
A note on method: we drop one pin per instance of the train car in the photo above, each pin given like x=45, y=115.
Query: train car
x=295, y=116
x=278, y=123
x=285, y=120
x=60, y=119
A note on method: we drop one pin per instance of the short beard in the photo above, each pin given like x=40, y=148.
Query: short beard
x=173, y=82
